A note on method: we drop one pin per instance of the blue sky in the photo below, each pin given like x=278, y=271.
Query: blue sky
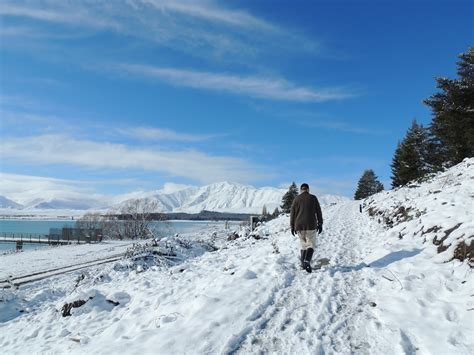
x=123, y=96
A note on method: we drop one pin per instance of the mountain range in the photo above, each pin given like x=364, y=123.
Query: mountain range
x=220, y=197
x=7, y=203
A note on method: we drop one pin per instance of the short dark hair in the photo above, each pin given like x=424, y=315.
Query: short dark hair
x=304, y=186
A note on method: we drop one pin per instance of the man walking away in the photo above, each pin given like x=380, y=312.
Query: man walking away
x=305, y=219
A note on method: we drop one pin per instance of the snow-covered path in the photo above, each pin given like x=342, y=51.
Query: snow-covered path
x=318, y=312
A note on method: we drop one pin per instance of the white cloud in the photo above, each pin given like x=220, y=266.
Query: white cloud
x=311, y=119
x=171, y=187
x=151, y=133
x=155, y=15
x=16, y=101
x=25, y=189
x=61, y=12
x=43, y=123
x=341, y=126
x=267, y=88
x=210, y=12
x=29, y=190
x=95, y=15
x=191, y=164
x=204, y=28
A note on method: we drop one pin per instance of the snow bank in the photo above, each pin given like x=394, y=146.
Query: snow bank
x=438, y=211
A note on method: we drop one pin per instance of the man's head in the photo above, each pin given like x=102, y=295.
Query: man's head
x=304, y=187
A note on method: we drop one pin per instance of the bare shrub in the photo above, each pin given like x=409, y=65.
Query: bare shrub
x=91, y=220
x=137, y=215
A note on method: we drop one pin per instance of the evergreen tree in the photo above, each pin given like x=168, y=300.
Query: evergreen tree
x=453, y=111
x=264, y=211
x=414, y=157
x=276, y=212
x=288, y=198
x=436, y=152
x=368, y=185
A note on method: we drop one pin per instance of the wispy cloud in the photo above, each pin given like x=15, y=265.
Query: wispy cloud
x=19, y=117
x=311, y=119
x=103, y=14
x=340, y=126
x=15, y=101
x=160, y=134
x=204, y=29
x=253, y=86
x=19, y=112
x=211, y=12
x=61, y=12
x=191, y=164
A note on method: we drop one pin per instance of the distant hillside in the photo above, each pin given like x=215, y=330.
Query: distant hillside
x=7, y=203
x=73, y=204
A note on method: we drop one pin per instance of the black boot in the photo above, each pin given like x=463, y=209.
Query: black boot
x=307, y=259
x=303, y=256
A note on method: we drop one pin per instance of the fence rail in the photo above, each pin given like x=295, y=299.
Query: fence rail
x=43, y=238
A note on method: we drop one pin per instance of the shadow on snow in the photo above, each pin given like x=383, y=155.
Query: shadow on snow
x=379, y=263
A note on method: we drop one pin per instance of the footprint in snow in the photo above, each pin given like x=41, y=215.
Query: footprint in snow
x=166, y=319
x=249, y=275
x=452, y=315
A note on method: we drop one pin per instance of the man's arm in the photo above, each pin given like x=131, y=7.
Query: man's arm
x=319, y=215
x=293, y=216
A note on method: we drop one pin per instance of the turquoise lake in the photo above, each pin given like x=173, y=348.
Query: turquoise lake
x=161, y=228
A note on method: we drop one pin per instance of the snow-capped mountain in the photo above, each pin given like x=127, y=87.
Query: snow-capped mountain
x=226, y=197
x=7, y=203
x=72, y=204
x=219, y=197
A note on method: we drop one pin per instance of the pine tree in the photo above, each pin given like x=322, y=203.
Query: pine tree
x=453, y=111
x=436, y=152
x=276, y=212
x=368, y=185
x=265, y=211
x=414, y=157
x=288, y=198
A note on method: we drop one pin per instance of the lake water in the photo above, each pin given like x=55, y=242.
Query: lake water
x=161, y=228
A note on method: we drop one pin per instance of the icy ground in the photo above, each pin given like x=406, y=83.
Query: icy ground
x=379, y=294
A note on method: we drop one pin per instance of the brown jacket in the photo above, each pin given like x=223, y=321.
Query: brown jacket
x=305, y=212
